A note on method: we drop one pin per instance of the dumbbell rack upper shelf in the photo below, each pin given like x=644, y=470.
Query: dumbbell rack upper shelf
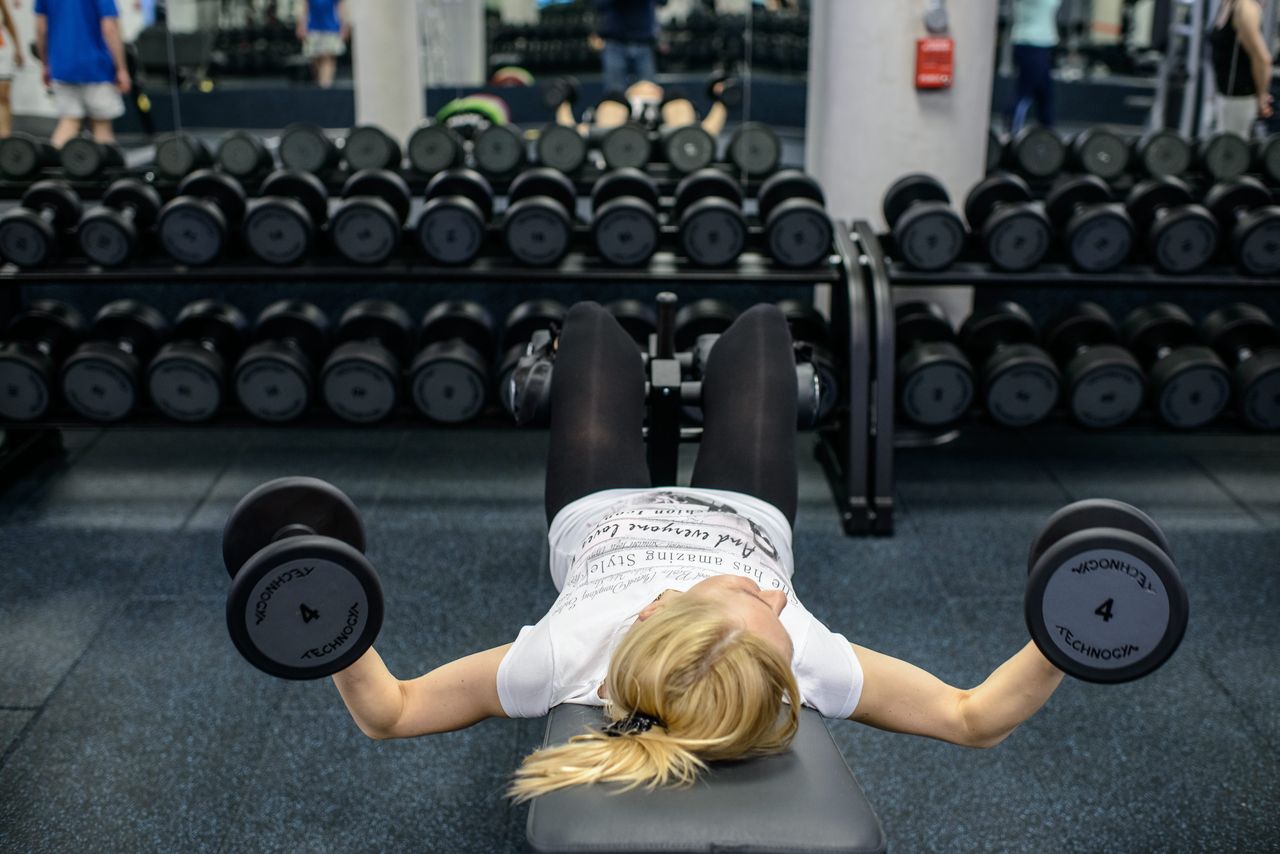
x=977, y=274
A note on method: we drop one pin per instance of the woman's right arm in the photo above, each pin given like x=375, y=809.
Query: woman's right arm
x=1248, y=24
x=453, y=696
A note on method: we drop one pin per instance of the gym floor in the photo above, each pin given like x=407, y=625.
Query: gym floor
x=129, y=723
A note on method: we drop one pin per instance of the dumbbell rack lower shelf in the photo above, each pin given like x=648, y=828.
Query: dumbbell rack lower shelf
x=843, y=447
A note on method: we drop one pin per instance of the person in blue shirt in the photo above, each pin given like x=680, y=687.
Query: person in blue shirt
x=628, y=30
x=1034, y=36
x=323, y=30
x=83, y=54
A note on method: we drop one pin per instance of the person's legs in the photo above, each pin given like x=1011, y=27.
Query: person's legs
x=103, y=105
x=6, y=111
x=1045, y=100
x=101, y=130
x=613, y=61
x=749, y=411
x=69, y=102
x=1024, y=88
x=325, y=69
x=642, y=64
x=67, y=128
x=597, y=410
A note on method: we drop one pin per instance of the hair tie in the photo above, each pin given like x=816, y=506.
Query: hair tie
x=636, y=722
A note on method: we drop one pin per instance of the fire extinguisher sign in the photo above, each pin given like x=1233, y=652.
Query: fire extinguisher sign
x=935, y=63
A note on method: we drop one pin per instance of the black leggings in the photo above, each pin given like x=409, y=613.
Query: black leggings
x=748, y=405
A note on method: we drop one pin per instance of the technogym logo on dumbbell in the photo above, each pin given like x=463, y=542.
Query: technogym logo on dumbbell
x=1115, y=565
x=264, y=598
x=1104, y=654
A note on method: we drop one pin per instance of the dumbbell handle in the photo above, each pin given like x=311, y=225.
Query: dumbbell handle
x=690, y=393
x=47, y=213
x=295, y=529
x=666, y=334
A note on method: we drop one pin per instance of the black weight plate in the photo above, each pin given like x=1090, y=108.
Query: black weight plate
x=1256, y=241
x=271, y=383
x=381, y=184
x=908, y=191
x=278, y=230
x=706, y=183
x=755, y=149
x=930, y=236
x=434, y=148
x=1257, y=390
x=499, y=150
x=224, y=191
x=57, y=197
x=626, y=146
x=106, y=238
x=702, y=317
x=305, y=187
x=1183, y=240
x=359, y=387
x=798, y=233
x=1266, y=156
x=1105, y=387
x=561, y=148
x=713, y=232
x=784, y=185
x=365, y=230
x=936, y=384
x=187, y=382
x=689, y=148
x=1021, y=386
x=1070, y=194
x=1190, y=387
x=1164, y=153
x=625, y=231
x=639, y=319
x=463, y=182
x=1095, y=513
x=449, y=382
x=1001, y=188
x=369, y=147
x=25, y=383
x=1037, y=152
x=243, y=155
x=100, y=382
x=1225, y=156
x=624, y=182
x=541, y=181
x=1099, y=239
x=82, y=157
x=1101, y=152
x=137, y=195
x=192, y=230
x=1017, y=237
x=25, y=238
x=180, y=154
x=537, y=231
x=21, y=156
x=307, y=148
x=451, y=230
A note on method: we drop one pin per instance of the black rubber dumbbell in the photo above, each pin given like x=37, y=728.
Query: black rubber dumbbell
x=927, y=233
x=449, y=376
x=1266, y=157
x=180, y=154
x=797, y=230
x=1224, y=156
x=33, y=347
x=31, y=234
x=525, y=322
x=1103, y=383
x=1018, y=380
x=109, y=233
x=195, y=225
x=366, y=227
x=708, y=208
x=305, y=147
x=83, y=158
x=625, y=145
x=23, y=156
x=189, y=375
x=754, y=149
x=102, y=379
x=624, y=219
x=1249, y=222
x=361, y=378
x=499, y=150
x=1095, y=230
x=1036, y=153
x=243, y=155
x=281, y=225
x=371, y=147
x=561, y=146
x=1101, y=152
x=275, y=377
x=452, y=226
x=1014, y=231
x=817, y=376
x=434, y=148
x=1163, y=153
x=1246, y=338
x=702, y=317
x=538, y=225
x=934, y=376
x=638, y=318
x=688, y=148
x=1189, y=385
x=1180, y=236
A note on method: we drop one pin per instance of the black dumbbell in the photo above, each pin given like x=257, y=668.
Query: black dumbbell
x=538, y=225
x=434, y=148
x=1224, y=155
x=625, y=145
x=1102, y=152
x=561, y=147
x=1266, y=157
x=243, y=155
x=23, y=156
x=305, y=147
x=188, y=376
x=754, y=149
x=702, y=317
x=33, y=347
x=1036, y=152
x=927, y=233
x=1189, y=384
x=531, y=321
x=1096, y=231
x=1180, y=235
x=624, y=220
x=817, y=376
x=1014, y=231
x=367, y=225
x=194, y=226
x=1245, y=337
x=708, y=208
x=300, y=624
x=361, y=378
x=499, y=150
x=1019, y=381
x=275, y=376
x=102, y=378
x=688, y=148
x=452, y=226
x=934, y=377
x=1104, y=384
x=30, y=234
x=83, y=158
x=109, y=233
x=280, y=226
x=995, y=149
x=638, y=318
x=797, y=230
x=1163, y=153
x=370, y=147
x=449, y=377
x=180, y=154
x=1249, y=222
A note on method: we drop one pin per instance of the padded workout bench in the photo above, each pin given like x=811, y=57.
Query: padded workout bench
x=803, y=800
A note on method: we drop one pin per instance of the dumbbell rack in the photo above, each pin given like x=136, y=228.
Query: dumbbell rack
x=882, y=274
x=842, y=447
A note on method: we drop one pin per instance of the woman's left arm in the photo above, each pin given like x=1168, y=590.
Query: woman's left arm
x=1248, y=24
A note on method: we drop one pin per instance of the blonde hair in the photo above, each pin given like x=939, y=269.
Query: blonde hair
x=716, y=688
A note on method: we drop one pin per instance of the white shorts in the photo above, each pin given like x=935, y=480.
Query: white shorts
x=99, y=101
x=1238, y=114
x=323, y=43
x=6, y=61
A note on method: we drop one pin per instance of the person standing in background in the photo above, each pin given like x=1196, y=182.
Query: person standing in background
x=323, y=30
x=1241, y=66
x=11, y=59
x=628, y=30
x=79, y=42
x=1034, y=36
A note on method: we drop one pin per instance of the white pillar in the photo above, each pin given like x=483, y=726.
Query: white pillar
x=389, y=91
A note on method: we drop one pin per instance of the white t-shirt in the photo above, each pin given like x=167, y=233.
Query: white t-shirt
x=613, y=551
